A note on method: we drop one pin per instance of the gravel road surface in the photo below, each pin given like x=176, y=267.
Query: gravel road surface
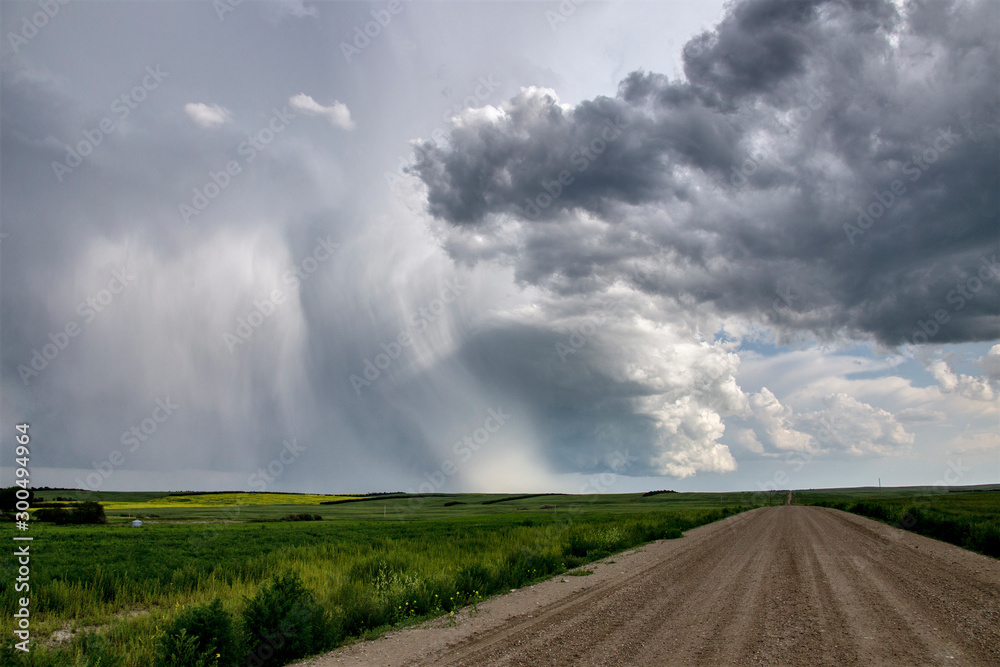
x=776, y=586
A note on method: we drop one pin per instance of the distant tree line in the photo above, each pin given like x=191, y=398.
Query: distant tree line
x=8, y=498
x=85, y=512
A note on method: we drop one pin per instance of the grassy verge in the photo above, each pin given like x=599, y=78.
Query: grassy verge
x=967, y=519
x=146, y=594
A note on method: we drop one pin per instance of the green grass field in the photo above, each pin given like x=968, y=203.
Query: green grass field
x=112, y=591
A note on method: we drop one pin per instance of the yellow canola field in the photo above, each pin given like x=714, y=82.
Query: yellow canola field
x=225, y=500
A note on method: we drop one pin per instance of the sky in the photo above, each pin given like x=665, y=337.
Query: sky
x=346, y=247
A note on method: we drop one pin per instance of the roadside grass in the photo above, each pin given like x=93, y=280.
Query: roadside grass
x=407, y=560
x=967, y=518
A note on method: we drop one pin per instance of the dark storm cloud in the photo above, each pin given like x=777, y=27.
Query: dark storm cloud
x=825, y=166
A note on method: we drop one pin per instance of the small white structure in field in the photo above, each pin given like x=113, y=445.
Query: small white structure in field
x=137, y=524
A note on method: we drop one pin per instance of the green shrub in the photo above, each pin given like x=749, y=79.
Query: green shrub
x=200, y=636
x=283, y=622
x=182, y=650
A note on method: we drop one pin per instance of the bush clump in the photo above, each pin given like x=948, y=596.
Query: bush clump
x=200, y=636
x=283, y=622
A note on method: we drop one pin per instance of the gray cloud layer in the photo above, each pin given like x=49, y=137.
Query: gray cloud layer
x=838, y=153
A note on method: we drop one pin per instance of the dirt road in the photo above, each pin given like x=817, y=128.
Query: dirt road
x=777, y=586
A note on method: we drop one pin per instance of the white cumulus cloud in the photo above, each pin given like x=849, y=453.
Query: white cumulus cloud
x=337, y=113
x=843, y=425
x=775, y=421
x=208, y=115
x=856, y=427
x=969, y=386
